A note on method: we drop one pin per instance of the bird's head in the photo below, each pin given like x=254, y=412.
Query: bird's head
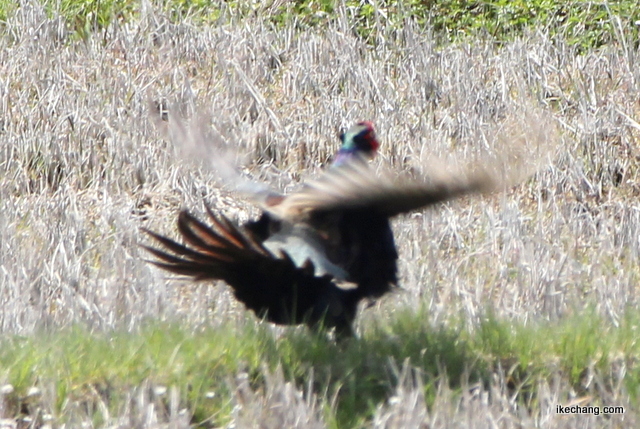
x=360, y=139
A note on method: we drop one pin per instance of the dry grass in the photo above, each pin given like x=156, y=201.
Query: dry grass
x=82, y=168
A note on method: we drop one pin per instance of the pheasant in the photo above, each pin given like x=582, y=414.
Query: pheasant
x=314, y=254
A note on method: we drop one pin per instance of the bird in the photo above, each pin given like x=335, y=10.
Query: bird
x=313, y=255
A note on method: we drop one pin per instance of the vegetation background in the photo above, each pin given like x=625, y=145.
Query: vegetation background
x=510, y=305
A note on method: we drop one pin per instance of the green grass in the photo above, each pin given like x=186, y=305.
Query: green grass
x=583, y=24
x=87, y=367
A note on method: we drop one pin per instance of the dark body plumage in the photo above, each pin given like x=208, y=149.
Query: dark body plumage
x=315, y=254
x=270, y=284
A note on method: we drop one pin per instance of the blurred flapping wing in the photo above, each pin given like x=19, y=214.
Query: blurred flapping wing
x=358, y=186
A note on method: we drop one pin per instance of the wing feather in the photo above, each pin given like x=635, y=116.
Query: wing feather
x=357, y=186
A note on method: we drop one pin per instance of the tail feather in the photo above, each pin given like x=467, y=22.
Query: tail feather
x=270, y=285
x=218, y=252
x=208, y=253
x=185, y=257
x=187, y=267
x=174, y=246
x=243, y=239
x=199, y=235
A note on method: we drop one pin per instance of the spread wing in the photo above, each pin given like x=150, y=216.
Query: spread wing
x=357, y=186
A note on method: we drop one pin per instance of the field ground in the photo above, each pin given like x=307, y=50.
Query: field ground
x=511, y=304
